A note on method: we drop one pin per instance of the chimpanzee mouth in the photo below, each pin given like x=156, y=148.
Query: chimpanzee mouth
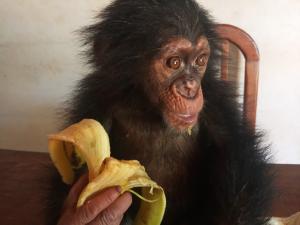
x=181, y=120
x=187, y=118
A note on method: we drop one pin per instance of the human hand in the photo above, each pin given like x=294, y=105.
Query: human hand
x=105, y=208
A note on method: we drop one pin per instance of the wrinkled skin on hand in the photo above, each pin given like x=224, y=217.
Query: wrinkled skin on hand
x=105, y=208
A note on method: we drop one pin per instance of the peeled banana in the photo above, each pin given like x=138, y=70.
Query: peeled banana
x=87, y=142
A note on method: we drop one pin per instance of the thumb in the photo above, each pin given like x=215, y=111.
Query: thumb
x=75, y=191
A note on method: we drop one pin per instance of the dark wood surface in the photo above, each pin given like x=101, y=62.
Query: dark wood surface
x=24, y=178
x=287, y=184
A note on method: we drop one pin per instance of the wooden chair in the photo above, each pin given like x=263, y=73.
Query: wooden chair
x=243, y=41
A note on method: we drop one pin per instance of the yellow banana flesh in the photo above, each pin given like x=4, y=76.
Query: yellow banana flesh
x=90, y=143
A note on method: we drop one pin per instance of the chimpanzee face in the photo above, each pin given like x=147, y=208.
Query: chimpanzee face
x=176, y=75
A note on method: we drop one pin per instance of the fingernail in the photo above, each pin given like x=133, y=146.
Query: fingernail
x=119, y=189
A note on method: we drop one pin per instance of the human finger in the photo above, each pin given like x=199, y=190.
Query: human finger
x=75, y=191
x=94, y=206
x=113, y=214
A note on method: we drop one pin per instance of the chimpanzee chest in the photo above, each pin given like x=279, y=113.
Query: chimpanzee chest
x=169, y=160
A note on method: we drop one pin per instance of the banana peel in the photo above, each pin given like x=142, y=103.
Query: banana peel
x=87, y=142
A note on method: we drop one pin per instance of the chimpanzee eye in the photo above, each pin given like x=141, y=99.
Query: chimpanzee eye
x=201, y=60
x=174, y=62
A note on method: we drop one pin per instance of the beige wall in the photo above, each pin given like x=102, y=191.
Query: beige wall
x=40, y=62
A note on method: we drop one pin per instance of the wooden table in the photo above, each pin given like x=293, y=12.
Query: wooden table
x=24, y=175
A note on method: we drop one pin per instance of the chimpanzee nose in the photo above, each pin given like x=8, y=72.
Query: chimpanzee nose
x=187, y=87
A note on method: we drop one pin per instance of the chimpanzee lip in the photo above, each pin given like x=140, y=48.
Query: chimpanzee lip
x=182, y=119
x=188, y=118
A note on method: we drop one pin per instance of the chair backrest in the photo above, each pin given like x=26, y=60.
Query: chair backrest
x=243, y=41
